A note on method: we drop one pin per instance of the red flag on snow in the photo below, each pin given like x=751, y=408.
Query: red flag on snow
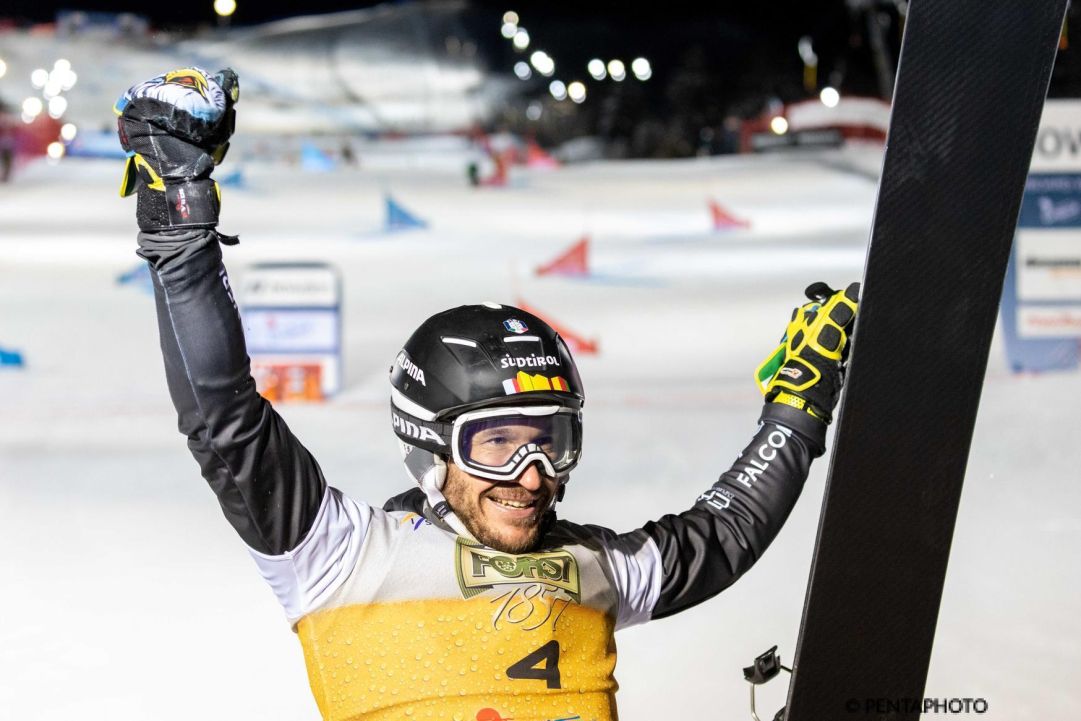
x=577, y=343
x=723, y=220
x=574, y=261
x=537, y=157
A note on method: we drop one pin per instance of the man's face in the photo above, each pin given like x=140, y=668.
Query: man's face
x=504, y=515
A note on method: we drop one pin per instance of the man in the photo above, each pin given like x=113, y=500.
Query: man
x=465, y=598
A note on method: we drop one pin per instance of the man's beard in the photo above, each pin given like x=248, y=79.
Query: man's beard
x=466, y=505
x=493, y=538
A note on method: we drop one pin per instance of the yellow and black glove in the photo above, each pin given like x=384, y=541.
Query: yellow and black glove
x=175, y=128
x=806, y=370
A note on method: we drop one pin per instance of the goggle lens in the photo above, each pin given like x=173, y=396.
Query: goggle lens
x=495, y=442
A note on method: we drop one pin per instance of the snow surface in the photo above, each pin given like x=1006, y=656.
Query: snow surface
x=126, y=596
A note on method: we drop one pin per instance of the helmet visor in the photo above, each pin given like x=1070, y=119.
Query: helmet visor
x=500, y=443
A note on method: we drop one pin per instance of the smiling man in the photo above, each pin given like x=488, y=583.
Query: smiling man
x=507, y=515
x=464, y=598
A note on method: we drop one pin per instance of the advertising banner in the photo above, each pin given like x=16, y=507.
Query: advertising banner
x=1041, y=301
x=292, y=325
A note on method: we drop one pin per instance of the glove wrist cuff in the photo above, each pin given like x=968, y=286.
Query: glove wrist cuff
x=811, y=429
x=187, y=204
x=795, y=401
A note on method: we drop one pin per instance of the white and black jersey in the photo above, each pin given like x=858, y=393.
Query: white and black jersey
x=398, y=616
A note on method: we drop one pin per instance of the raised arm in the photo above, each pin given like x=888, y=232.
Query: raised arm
x=174, y=128
x=680, y=560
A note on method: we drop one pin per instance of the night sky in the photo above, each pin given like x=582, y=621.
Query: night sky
x=779, y=15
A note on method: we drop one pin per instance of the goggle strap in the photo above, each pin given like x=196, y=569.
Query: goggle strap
x=432, y=436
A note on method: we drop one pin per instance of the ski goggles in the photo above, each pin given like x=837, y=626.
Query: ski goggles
x=500, y=443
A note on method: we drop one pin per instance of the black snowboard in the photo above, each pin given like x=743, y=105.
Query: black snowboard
x=971, y=84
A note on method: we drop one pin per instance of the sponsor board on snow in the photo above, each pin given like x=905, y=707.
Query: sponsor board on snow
x=291, y=314
x=1061, y=321
x=300, y=330
x=1041, y=299
x=284, y=285
x=1048, y=265
x=1058, y=142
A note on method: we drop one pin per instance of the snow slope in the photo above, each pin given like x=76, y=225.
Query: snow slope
x=127, y=596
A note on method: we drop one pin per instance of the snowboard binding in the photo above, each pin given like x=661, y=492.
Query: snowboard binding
x=764, y=669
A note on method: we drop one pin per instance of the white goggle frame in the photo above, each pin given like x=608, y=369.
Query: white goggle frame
x=525, y=455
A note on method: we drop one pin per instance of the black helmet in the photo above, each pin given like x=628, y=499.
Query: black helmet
x=476, y=357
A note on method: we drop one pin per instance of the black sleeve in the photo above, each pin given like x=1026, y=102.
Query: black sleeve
x=269, y=486
x=707, y=548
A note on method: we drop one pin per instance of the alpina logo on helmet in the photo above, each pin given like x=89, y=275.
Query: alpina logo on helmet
x=791, y=372
x=509, y=361
x=414, y=431
x=515, y=326
x=411, y=368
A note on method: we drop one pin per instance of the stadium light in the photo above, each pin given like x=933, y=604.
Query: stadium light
x=558, y=90
x=521, y=39
x=508, y=30
x=224, y=8
x=52, y=88
x=39, y=77
x=778, y=125
x=521, y=69
x=596, y=69
x=32, y=107
x=57, y=106
x=55, y=150
x=641, y=69
x=810, y=63
x=577, y=92
x=68, y=132
x=543, y=63
x=533, y=112
x=617, y=70
x=829, y=97
x=806, y=51
x=510, y=18
x=3, y=68
x=62, y=65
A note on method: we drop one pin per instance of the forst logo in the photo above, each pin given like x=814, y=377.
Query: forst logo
x=513, y=567
x=480, y=569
